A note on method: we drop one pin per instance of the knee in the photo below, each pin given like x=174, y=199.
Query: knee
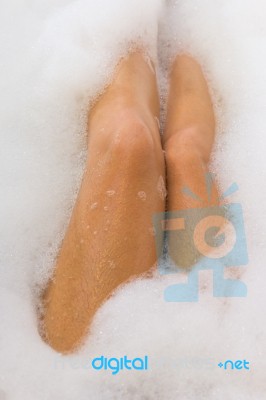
x=186, y=147
x=132, y=138
x=132, y=141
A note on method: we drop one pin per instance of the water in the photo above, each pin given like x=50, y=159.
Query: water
x=55, y=57
x=142, y=195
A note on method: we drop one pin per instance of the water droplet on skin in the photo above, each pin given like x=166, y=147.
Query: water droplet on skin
x=110, y=193
x=88, y=227
x=100, y=164
x=105, y=208
x=150, y=64
x=93, y=206
x=142, y=196
x=111, y=264
x=158, y=122
x=95, y=232
x=117, y=138
x=81, y=241
x=161, y=188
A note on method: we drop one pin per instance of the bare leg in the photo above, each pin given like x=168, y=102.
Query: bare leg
x=110, y=238
x=188, y=140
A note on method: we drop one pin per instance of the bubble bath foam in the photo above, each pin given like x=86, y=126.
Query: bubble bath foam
x=56, y=57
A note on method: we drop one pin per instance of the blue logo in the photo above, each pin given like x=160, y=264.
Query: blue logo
x=209, y=238
x=238, y=365
x=118, y=364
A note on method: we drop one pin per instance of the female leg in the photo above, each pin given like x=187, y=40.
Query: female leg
x=188, y=142
x=110, y=235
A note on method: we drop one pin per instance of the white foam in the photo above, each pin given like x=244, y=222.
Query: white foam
x=56, y=56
